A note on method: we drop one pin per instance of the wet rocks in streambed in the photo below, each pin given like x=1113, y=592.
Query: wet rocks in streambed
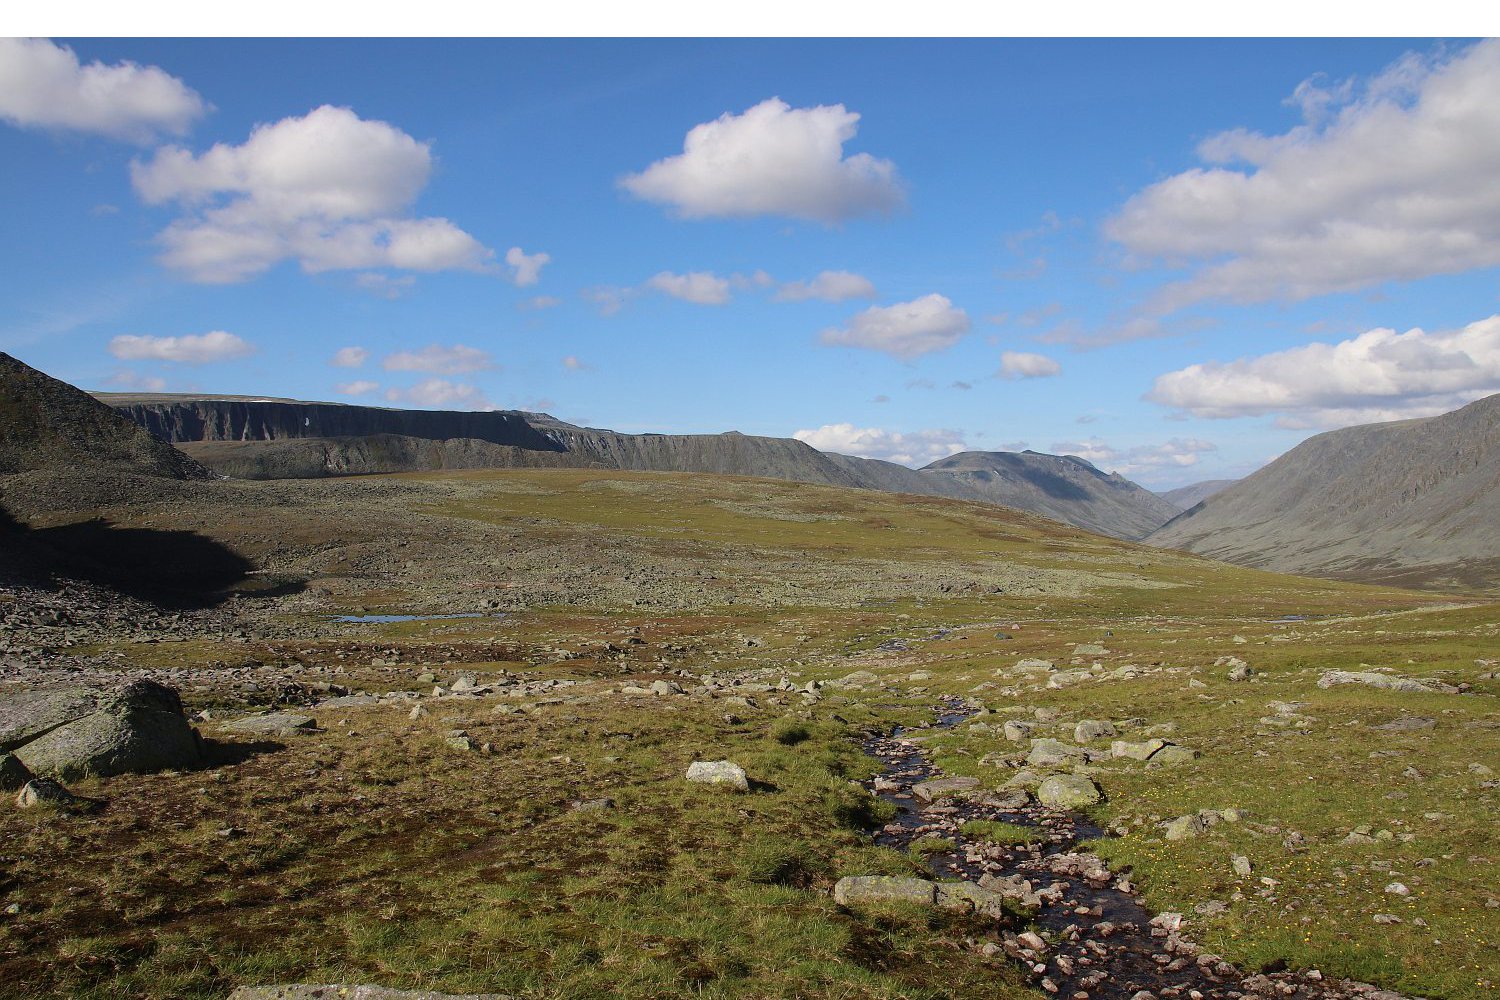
x=941, y=788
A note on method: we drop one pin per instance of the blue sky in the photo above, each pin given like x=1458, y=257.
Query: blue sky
x=1175, y=258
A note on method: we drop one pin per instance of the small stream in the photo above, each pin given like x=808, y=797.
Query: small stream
x=1100, y=942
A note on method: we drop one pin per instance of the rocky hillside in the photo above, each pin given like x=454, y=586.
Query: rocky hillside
x=1414, y=501
x=47, y=425
x=1063, y=487
x=1188, y=497
x=258, y=438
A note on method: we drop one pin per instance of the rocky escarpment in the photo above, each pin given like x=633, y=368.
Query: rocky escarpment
x=48, y=425
x=251, y=438
x=240, y=418
x=1413, y=501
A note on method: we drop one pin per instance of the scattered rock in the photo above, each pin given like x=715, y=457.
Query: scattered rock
x=1240, y=864
x=591, y=805
x=1052, y=753
x=1089, y=649
x=1183, y=827
x=1135, y=751
x=1068, y=791
x=1172, y=755
x=939, y=788
x=1016, y=731
x=719, y=772
x=44, y=791
x=1406, y=724
x=1387, y=682
x=1092, y=729
x=274, y=724
x=856, y=890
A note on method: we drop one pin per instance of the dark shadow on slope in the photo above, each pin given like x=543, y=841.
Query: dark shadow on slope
x=174, y=569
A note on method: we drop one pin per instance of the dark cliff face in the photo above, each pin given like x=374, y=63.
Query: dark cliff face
x=278, y=420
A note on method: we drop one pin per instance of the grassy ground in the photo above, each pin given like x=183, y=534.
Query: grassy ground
x=373, y=852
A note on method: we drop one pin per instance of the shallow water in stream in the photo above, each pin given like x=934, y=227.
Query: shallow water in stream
x=1102, y=944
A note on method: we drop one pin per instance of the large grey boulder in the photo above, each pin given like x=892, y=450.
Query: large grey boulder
x=25, y=715
x=136, y=729
x=338, y=991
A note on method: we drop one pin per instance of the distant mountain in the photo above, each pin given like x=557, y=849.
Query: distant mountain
x=47, y=425
x=1063, y=487
x=266, y=438
x=1414, y=501
x=1188, y=497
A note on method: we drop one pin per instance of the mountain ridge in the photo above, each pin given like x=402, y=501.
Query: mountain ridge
x=272, y=438
x=1410, y=501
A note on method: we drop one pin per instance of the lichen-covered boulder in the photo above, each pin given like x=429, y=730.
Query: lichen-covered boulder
x=139, y=728
x=1068, y=791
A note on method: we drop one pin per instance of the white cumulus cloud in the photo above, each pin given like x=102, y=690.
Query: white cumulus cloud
x=192, y=348
x=1378, y=375
x=830, y=286
x=440, y=360
x=915, y=448
x=350, y=357
x=359, y=387
x=437, y=393
x=328, y=189
x=1019, y=364
x=772, y=160
x=1391, y=178
x=905, y=330
x=526, y=268
x=43, y=85
x=701, y=287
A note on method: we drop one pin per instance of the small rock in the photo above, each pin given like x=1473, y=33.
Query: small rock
x=1092, y=729
x=1240, y=864
x=719, y=772
x=41, y=791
